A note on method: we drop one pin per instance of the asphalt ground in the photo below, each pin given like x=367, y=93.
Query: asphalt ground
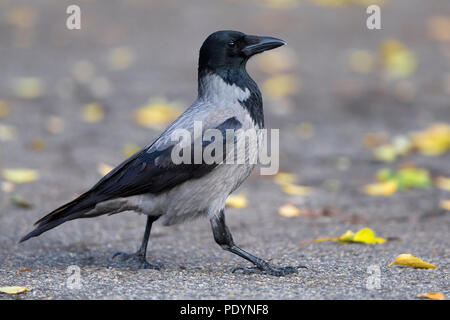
x=342, y=106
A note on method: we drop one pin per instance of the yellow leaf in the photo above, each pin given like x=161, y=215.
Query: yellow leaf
x=104, y=168
x=445, y=204
x=443, y=183
x=236, y=201
x=434, y=140
x=92, y=112
x=283, y=178
x=156, y=114
x=347, y=236
x=385, y=153
x=129, y=149
x=13, y=290
x=412, y=261
x=288, y=211
x=296, y=190
x=361, y=61
x=20, y=175
x=28, y=87
x=367, y=235
x=398, y=61
x=281, y=86
x=432, y=295
x=382, y=188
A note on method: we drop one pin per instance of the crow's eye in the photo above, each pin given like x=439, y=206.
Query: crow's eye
x=231, y=44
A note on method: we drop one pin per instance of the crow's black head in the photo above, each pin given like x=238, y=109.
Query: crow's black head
x=231, y=49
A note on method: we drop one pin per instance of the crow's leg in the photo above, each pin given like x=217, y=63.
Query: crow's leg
x=139, y=258
x=223, y=237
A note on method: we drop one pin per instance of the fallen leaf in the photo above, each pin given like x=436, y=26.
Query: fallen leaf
x=288, y=211
x=373, y=140
x=412, y=261
x=413, y=178
x=25, y=270
x=296, y=190
x=439, y=28
x=20, y=202
x=7, y=133
x=434, y=140
x=104, y=168
x=432, y=295
x=382, y=188
x=37, y=145
x=445, y=204
x=443, y=183
x=20, y=175
x=281, y=85
x=283, y=178
x=385, y=153
x=28, y=87
x=92, y=113
x=364, y=235
x=156, y=114
x=13, y=290
x=397, y=59
x=238, y=201
x=4, y=109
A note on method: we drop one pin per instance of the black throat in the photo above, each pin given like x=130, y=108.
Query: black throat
x=239, y=77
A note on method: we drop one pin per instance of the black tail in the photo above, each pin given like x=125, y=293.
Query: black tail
x=72, y=210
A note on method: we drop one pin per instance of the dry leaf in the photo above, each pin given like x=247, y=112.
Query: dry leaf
x=432, y=295
x=7, y=133
x=104, y=168
x=288, y=211
x=28, y=87
x=281, y=86
x=20, y=175
x=443, y=183
x=13, y=290
x=434, y=140
x=439, y=28
x=238, y=201
x=284, y=178
x=92, y=112
x=382, y=188
x=373, y=140
x=364, y=235
x=156, y=114
x=397, y=59
x=296, y=190
x=4, y=109
x=412, y=261
x=445, y=204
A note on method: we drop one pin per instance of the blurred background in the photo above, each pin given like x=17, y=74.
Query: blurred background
x=364, y=118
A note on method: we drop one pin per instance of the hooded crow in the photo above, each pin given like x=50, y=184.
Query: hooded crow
x=151, y=183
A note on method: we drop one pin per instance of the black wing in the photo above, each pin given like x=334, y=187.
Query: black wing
x=144, y=172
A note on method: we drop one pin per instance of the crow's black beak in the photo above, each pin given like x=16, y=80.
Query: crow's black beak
x=257, y=44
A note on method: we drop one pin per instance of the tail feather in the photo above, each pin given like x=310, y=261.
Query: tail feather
x=72, y=210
